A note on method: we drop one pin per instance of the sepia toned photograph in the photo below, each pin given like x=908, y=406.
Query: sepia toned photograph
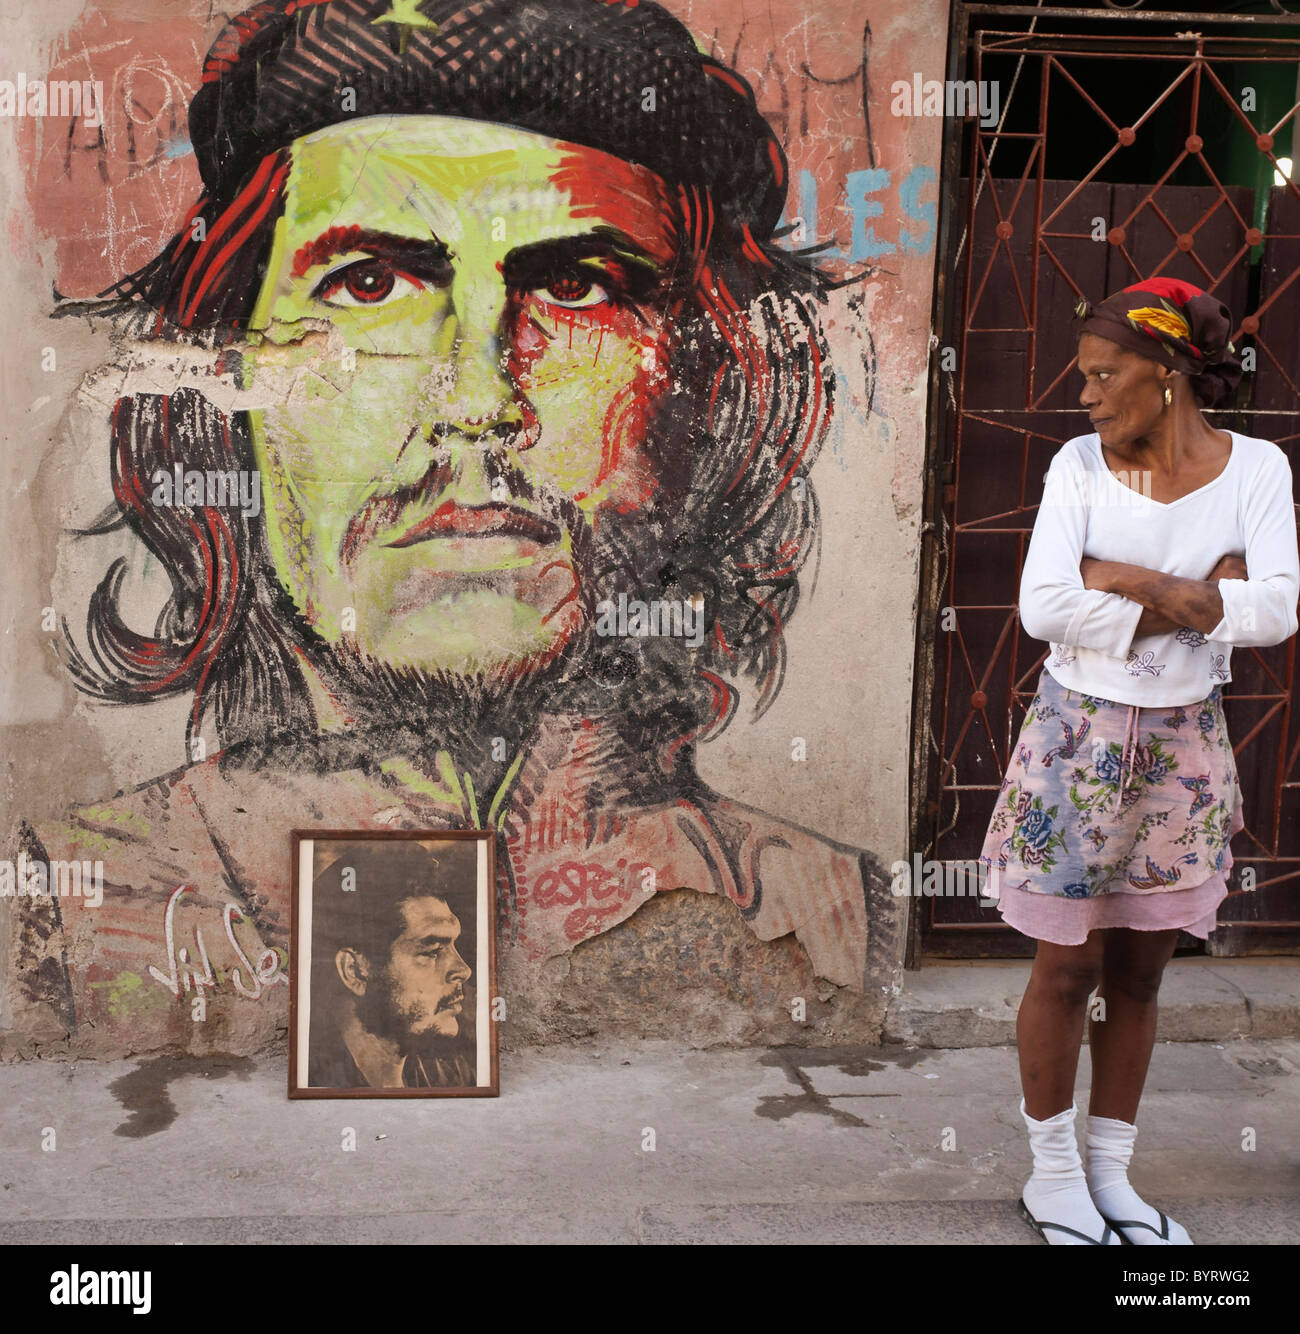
x=393, y=968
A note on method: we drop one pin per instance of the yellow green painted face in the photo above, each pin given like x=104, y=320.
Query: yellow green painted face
x=475, y=321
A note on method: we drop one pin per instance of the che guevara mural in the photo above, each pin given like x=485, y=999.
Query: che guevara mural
x=466, y=412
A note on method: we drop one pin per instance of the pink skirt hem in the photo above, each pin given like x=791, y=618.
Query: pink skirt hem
x=1065, y=921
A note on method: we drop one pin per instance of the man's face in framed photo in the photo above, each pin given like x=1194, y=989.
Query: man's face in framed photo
x=392, y=965
x=418, y=988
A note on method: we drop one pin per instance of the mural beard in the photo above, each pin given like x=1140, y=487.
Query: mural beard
x=417, y=711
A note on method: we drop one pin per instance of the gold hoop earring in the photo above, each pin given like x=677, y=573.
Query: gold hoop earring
x=1169, y=397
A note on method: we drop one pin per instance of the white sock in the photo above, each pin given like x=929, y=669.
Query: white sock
x=1058, y=1190
x=1109, y=1148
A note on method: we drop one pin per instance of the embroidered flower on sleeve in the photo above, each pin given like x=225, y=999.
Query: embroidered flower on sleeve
x=1192, y=638
x=1036, y=828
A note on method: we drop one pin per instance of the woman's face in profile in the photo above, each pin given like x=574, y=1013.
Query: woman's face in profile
x=1123, y=391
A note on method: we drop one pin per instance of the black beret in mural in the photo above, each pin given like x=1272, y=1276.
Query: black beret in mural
x=575, y=70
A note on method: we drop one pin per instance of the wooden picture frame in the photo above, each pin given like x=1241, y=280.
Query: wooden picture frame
x=391, y=984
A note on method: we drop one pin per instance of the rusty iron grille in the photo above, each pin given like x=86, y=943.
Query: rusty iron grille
x=1023, y=249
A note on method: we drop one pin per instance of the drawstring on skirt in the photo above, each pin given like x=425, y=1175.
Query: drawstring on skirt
x=1129, y=753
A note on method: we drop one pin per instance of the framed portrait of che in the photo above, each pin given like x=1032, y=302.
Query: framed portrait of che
x=392, y=965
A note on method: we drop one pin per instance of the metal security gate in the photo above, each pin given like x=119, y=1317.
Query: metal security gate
x=1123, y=149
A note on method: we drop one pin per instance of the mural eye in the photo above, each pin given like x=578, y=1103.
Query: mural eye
x=368, y=283
x=573, y=292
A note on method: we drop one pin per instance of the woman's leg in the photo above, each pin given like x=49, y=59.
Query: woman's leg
x=1121, y=1036
x=1120, y=1039
x=1049, y=1028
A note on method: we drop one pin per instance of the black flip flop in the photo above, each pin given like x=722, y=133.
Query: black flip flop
x=1083, y=1236
x=1120, y=1224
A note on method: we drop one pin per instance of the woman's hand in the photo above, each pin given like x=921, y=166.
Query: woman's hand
x=1097, y=573
x=1229, y=567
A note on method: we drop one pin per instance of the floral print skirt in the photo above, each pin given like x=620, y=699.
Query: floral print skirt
x=1104, y=799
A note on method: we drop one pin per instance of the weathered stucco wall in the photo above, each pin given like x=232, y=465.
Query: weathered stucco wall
x=789, y=908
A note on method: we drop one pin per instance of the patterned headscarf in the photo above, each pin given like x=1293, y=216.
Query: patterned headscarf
x=1173, y=323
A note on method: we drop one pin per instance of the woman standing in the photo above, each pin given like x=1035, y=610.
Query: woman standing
x=1161, y=543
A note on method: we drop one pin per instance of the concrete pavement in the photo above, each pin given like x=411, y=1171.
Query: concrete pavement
x=625, y=1143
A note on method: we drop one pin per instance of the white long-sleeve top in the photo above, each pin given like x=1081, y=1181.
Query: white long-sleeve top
x=1247, y=510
